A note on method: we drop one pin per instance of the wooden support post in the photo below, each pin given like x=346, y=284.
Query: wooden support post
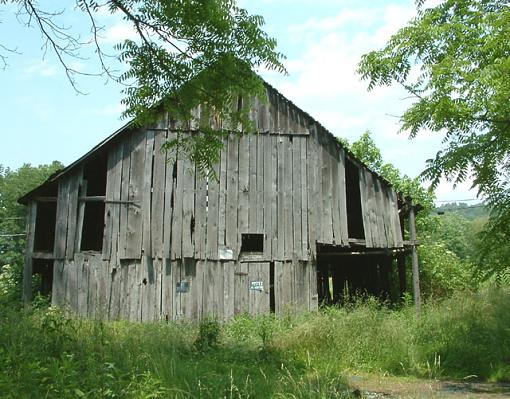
x=27, y=269
x=416, y=276
x=401, y=266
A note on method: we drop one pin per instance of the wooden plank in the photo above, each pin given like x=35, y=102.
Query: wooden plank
x=135, y=273
x=259, y=225
x=304, y=199
x=222, y=195
x=297, y=197
x=396, y=217
x=111, y=170
x=245, y=164
x=280, y=254
x=287, y=199
x=278, y=287
x=58, y=288
x=61, y=218
x=82, y=280
x=273, y=196
x=169, y=186
x=372, y=204
x=314, y=200
x=414, y=257
x=177, y=276
x=72, y=285
x=146, y=194
x=113, y=193
x=252, y=184
x=124, y=196
x=213, y=196
x=228, y=270
x=342, y=200
x=259, y=300
x=115, y=292
x=200, y=216
x=267, y=195
x=136, y=195
x=167, y=290
x=158, y=195
x=72, y=215
x=241, y=294
x=327, y=197
x=231, y=231
x=335, y=204
x=365, y=208
x=380, y=213
x=107, y=239
x=27, y=266
x=176, y=242
x=188, y=209
x=92, y=292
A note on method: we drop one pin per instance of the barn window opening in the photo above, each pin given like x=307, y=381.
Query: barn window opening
x=92, y=192
x=42, y=270
x=46, y=217
x=253, y=243
x=353, y=199
x=343, y=275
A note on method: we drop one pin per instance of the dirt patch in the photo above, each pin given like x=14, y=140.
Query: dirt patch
x=385, y=387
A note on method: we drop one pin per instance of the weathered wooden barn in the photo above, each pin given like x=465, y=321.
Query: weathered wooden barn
x=294, y=220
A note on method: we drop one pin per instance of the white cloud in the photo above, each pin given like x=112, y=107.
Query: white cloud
x=119, y=32
x=40, y=68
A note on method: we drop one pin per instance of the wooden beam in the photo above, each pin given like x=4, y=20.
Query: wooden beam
x=416, y=276
x=27, y=269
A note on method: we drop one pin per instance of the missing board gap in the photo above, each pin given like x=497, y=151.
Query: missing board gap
x=252, y=243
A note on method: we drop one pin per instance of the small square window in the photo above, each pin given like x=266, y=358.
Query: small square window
x=252, y=243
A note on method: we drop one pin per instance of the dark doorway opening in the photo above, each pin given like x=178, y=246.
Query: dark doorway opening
x=93, y=185
x=42, y=269
x=353, y=200
x=46, y=217
x=344, y=274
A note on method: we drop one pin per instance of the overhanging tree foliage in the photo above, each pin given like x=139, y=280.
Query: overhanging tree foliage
x=186, y=53
x=455, y=60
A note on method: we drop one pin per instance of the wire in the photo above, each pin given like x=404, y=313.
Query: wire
x=459, y=200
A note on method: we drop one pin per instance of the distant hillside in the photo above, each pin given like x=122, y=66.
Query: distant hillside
x=470, y=212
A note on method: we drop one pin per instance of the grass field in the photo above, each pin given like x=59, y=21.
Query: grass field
x=44, y=353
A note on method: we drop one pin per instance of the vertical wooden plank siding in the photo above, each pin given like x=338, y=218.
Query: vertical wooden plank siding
x=259, y=228
x=335, y=204
x=72, y=213
x=274, y=197
x=27, y=268
x=312, y=195
x=124, y=195
x=222, y=195
x=158, y=195
x=280, y=253
x=327, y=197
x=61, y=222
x=231, y=231
x=200, y=216
x=188, y=209
x=213, y=196
x=258, y=302
x=296, y=198
x=146, y=194
x=342, y=198
x=268, y=196
x=136, y=196
x=111, y=171
x=287, y=199
x=177, y=227
x=245, y=188
x=169, y=206
x=304, y=199
x=252, y=183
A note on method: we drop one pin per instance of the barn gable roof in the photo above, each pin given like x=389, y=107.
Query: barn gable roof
x=304, y=116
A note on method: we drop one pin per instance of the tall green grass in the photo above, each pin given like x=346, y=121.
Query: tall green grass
x=44, y=353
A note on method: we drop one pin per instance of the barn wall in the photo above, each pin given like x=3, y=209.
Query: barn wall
x=148, y=290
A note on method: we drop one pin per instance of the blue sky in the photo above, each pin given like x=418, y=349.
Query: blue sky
x=43, y=119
